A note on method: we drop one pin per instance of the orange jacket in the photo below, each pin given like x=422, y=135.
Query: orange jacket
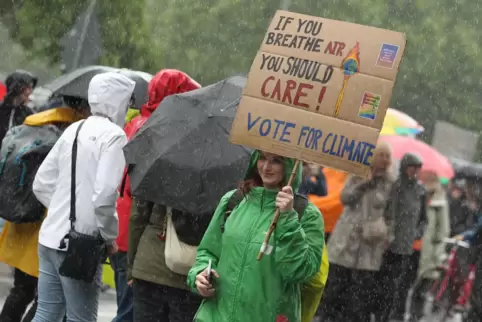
x=330, y=205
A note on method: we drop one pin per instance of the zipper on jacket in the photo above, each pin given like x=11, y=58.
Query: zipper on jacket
x=243, y=261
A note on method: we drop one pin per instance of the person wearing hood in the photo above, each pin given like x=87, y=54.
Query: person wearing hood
x=242, y=288
x=406, y=211
x=357, y=244
x=99, y=166
x=164, y=83
x=19, y=242
x=13, y=108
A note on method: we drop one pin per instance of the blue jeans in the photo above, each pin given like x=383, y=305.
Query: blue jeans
x=125, y=310
x=58, y=294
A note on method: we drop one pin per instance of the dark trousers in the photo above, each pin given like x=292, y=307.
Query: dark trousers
x=159, y=303
x=20, y=296
x=350, y=295
x=125, y=297
x=397, y=274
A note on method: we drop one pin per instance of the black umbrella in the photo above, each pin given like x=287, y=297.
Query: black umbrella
x=466, y=169
x=182, y=157
x=76, y=83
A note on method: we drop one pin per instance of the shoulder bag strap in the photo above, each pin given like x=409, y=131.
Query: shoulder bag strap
x=300, y=203
x=73, y=177
x=233, y=202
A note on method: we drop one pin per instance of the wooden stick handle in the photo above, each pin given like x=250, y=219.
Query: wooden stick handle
x=276, y=215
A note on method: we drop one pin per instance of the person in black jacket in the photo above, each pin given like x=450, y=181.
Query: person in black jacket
x=13, y=108
x=314, y=181
x=406, y=211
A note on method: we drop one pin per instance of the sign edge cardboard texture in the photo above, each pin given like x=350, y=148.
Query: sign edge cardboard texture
x=238, y=134
x=247, y=102
x=347, y=113
x=401, y=43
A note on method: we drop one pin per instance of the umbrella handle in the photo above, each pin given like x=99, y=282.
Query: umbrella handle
x=276, y=215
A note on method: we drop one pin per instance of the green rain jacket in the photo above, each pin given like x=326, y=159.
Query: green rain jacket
x=252, y=291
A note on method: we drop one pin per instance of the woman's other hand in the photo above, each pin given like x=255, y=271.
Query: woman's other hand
x=284, y=199
x=203, y=286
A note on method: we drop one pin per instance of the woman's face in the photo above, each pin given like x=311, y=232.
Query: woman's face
x=381, y=160
x=25, y=95
x=271, y=170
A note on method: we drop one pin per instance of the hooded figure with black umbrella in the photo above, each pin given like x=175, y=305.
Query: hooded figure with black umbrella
x=180, y=164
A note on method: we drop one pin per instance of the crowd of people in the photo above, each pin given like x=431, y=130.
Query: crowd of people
x=391, y=231
x=392, y=228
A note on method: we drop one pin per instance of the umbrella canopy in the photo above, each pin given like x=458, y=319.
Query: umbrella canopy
x=466, y=169
x=431, y=158
x=399, y=123
x=182, y=157
x=76, y=83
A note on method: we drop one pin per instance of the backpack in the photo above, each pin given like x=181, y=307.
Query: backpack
x=311, y=291
x=23, y=150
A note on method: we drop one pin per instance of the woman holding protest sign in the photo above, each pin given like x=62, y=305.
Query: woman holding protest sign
x=238, y=288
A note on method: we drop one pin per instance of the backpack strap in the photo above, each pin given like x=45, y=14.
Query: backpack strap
x=300, y=203
x=233, y=202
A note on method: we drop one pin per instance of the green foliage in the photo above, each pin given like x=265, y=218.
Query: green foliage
x=212, y=39
x=438, y=79
x=39, y=24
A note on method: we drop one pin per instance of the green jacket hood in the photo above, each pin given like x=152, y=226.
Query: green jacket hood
x=289, y=163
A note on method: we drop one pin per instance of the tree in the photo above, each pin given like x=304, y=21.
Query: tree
x=438, y=78
x=39, y=24
x=212, y=39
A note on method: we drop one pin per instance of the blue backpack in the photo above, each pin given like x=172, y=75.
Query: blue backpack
x=23, y=150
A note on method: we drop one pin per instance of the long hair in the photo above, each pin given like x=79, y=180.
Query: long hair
x=253, y=179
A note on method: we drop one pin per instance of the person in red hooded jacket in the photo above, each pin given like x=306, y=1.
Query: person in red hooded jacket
x=166, y=82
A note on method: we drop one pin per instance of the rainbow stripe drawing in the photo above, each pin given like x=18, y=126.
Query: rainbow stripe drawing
x=369, y=105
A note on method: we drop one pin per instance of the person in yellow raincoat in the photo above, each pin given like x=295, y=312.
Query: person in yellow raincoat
x=19, y=242
x=312, y=291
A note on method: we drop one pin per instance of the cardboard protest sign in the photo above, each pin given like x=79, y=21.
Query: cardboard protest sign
x=318, y=90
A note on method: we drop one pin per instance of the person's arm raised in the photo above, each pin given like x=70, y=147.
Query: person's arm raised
x=299, y=244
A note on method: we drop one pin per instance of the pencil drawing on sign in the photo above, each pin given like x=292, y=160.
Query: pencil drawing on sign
x=350, y=66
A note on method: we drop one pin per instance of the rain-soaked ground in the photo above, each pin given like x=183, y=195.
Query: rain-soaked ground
x=107, y=307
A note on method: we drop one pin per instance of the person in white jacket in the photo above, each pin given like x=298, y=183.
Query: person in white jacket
x=100, y=165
